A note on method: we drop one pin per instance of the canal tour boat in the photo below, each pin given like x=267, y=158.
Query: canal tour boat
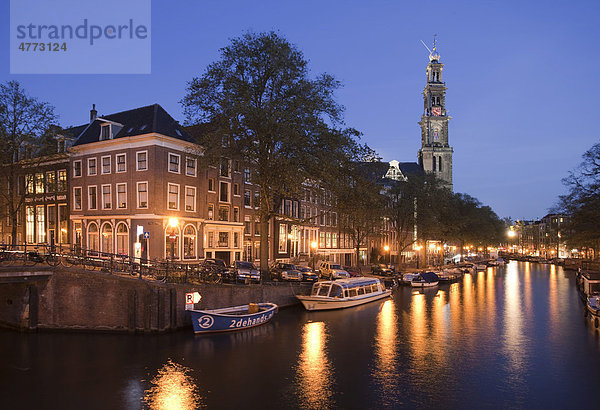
x=232, y=318
x=343, y=293
x=425, y=279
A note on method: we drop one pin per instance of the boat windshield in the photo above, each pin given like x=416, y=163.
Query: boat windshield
x=324, y=290
x=336, y=291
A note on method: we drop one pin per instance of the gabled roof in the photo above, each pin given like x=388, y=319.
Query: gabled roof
x=377, y=170
x=139, y=121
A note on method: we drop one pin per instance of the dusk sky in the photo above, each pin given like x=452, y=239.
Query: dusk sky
x=521, y=78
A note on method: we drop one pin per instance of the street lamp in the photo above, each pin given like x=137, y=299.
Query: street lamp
x=313, y=246
x=173, y=224
x=386, y=248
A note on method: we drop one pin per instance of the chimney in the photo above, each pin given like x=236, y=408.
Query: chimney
x=93, y=113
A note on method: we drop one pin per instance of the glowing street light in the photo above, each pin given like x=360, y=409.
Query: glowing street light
x=313, y=247
x=173, y=224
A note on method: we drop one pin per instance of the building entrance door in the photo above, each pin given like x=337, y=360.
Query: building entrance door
x=226, y=256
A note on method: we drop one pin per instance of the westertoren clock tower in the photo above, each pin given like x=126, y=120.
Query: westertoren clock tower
x=435, y=155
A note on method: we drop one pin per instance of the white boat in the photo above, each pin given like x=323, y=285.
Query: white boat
x=408, y=277
x=425, y=279
x=479, y=266
x=343, y=293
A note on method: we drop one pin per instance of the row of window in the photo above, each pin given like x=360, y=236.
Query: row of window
x=48, y=182
x=107, y=197
x=141, y=159
x=46, y=223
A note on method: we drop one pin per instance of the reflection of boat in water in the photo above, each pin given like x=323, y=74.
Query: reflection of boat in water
x=232, y=318
x=425, y=279
x=343, y=293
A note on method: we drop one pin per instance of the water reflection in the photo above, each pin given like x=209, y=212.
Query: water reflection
x=315, y=370
x=514, y=338
x=172, y=388
x=386, y=345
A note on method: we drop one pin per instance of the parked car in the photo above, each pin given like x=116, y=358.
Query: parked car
x=246, y=271
x=286, y=271
x=307, y=274
x=332, y=271
x=219, y=266
x=353, y=271
x=381, y=270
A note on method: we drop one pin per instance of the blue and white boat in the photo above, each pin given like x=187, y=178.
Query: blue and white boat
x=425, y=279
x=232, y=318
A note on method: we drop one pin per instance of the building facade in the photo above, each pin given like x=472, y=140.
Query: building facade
x=137, y=189
x=435, y=155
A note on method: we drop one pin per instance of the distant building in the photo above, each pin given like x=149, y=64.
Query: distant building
x=435, y=155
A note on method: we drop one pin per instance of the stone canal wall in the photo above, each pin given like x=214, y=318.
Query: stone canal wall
x=81, y=300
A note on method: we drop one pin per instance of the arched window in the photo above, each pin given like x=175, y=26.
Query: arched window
x=107, y=238
x=440, y=164
x=122, y=239
x=434, y=163
x=92, y=237
x=189, y=242
x=172, y=241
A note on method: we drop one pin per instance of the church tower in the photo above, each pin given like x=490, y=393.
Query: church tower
x=435, y=155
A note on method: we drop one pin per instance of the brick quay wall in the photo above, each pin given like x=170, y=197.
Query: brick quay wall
x=92, y=301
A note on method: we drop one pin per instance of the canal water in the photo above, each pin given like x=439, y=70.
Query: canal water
x=512, y=336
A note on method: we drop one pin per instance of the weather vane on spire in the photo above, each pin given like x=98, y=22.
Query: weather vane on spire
x=433, y=54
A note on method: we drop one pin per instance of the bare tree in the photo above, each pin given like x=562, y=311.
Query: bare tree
x=23, y=122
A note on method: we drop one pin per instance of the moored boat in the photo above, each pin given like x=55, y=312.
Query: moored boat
x=425, y=279
x=343, y=293
x=408, y=277
x=479, y=266
x=593, y=305
x=232, y=318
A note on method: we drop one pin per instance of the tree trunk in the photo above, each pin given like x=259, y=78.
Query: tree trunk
x=264, y=247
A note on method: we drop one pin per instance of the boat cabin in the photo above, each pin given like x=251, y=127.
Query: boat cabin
x=347, y=288
x=590, y=283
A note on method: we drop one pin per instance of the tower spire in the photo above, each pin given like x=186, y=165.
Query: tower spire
x=435, y=155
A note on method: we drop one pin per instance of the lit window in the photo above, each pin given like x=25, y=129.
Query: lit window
x=39, y=183
x=62, y=180
x=142, y=195
x=50, y=181
x=122, y=196
x=106, y=197
x=211, y=212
